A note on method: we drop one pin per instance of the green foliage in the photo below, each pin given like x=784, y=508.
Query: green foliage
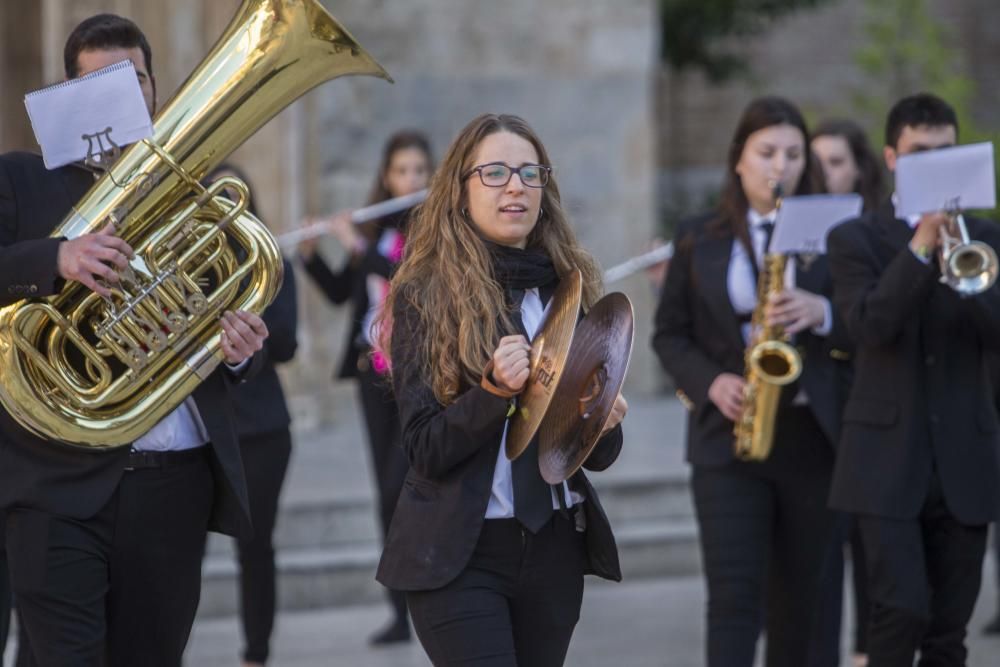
x=908, y=51
x=698, y=33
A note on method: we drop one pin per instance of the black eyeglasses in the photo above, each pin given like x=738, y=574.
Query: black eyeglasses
x=498, y=174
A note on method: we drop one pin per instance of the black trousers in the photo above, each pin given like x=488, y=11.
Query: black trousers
x=388, y=460
x=825, y=648
x=924, y=576
x=120, y=588
x=514, y=605
x=265, y=460
x=764, y=529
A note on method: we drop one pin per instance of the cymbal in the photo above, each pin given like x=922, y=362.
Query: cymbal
x=595, y=371
x=548, y=357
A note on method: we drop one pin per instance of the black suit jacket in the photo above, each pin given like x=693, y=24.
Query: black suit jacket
x=922, y=398
x=697, y=337
x=453, y=453
x=55, y=477
x=259, y=405
x=350, y=283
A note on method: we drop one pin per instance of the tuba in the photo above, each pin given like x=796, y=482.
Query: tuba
x=96, y=372
x=771, y=363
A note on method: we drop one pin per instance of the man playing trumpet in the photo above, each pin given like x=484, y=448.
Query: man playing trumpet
x=917, y=461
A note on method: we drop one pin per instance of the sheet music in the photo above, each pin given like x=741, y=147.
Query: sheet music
x=87, y=114
x=804, y=221
x=960, y=176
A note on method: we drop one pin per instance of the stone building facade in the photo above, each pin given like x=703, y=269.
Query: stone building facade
x=630, y=139
x=581, y=72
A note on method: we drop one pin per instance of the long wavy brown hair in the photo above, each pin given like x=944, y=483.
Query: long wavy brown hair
x=447, y=275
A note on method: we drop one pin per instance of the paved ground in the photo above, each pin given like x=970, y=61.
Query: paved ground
x=635, y=624
x=655, y=623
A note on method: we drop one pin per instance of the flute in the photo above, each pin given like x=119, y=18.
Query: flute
x=639, y=262
x=373, y=212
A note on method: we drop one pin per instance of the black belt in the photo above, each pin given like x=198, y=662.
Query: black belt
x=139, y=459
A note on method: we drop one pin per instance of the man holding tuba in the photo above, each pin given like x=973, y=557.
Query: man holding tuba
x=917, y=461
x=105, y=547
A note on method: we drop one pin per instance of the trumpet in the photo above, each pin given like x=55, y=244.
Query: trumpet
x=375, y=211
x=968, y=267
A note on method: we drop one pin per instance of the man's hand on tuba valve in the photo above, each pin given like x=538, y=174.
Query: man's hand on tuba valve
x=90, y=258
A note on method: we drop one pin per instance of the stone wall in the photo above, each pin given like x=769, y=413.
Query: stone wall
x=808, y=57
x=580, y=72
x=628, y=137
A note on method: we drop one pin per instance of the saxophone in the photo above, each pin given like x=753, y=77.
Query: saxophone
x=100, y=372
x=770, y=362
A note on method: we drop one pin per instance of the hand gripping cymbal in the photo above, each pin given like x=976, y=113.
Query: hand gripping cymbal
x=593, y=376
x=549, y=350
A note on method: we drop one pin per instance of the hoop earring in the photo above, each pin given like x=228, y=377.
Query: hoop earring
x=465, y=213
x=541, y=214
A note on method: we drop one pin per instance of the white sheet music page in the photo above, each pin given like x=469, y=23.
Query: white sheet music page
x=82, y=115
x=805, y=220
x=958, y=177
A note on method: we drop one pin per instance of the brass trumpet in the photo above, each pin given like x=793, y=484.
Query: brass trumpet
x=968, y=267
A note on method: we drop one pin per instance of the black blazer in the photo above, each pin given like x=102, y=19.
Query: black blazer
x=259, y=406
x=50, y=476
x=453, y=453
x=697, y=337
x=922, y=399
x=350, y=283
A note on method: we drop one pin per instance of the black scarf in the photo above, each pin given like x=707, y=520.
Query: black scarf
x=517, y=269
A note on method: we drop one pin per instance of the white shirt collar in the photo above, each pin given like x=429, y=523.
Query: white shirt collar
x=756, y=219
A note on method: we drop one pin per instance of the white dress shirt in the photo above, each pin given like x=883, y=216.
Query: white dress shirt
x=501, y=505
x=181, y=429
x=741, y=282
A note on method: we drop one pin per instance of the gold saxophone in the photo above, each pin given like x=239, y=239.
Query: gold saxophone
x=96, y=372
x=771, y=363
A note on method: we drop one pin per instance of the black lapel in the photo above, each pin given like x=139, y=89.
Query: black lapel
x=897, y=233
x=714, y=257
x=76, y=181
x=811, y=274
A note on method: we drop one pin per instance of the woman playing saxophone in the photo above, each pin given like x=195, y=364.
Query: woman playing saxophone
x=763, y=524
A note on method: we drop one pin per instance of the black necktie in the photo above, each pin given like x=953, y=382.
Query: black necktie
x=768, y=228
x=532, y=498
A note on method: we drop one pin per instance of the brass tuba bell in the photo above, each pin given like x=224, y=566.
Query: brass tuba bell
x=98, y=372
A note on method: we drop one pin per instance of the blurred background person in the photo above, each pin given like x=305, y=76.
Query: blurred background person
x=763, y=525
x=849, y=166
x=263, y=422
x=374, y=250
x=848, y=161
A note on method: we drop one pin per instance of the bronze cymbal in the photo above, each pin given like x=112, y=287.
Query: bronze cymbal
x=595, y=370
x=549, y=349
